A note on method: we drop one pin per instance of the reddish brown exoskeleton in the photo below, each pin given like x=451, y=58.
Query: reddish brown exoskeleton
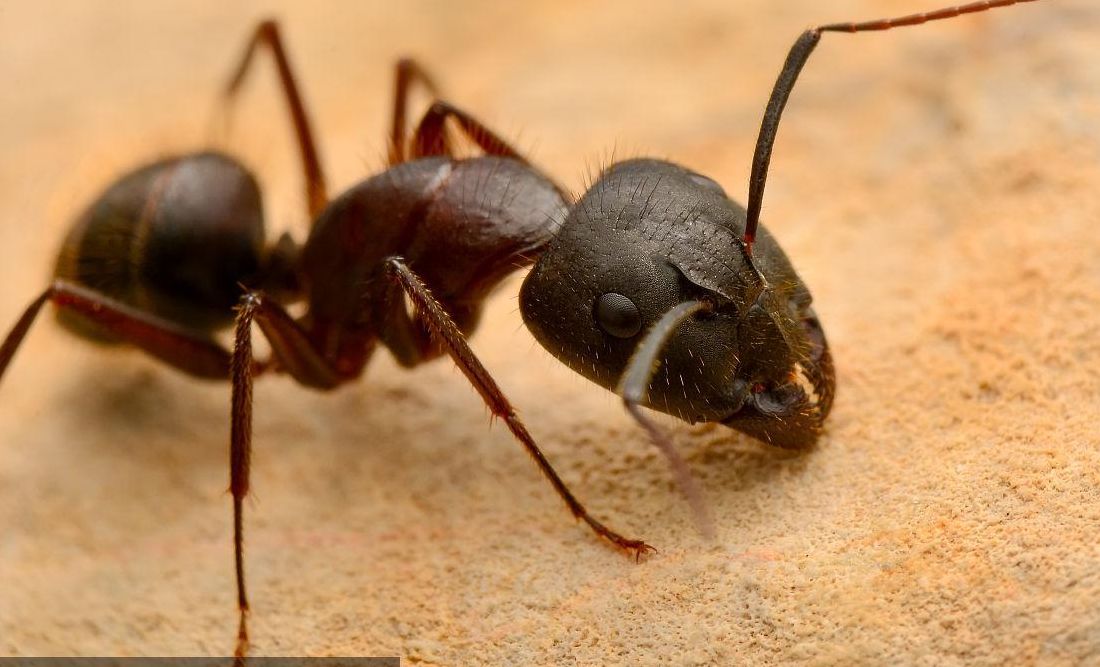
x=654, y=283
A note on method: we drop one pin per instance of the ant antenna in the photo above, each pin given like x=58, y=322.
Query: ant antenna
x=633, y=388
x=796, y=58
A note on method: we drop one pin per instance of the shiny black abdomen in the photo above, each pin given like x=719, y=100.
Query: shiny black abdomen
x=175, y=238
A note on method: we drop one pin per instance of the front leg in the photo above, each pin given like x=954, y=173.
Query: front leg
x=409, y=337
x=452, y=340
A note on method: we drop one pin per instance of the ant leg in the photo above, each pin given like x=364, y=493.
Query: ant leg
x=195, y=354
x=633, y=387
x=292, y=350
x=267, y=34
x=407, y=72
x=452, y=340
x=188, y=351
x=294, y=353
x=409, y=342
x=430, y=136
x=796, y=59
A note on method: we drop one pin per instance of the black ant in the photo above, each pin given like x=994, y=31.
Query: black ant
x=654, y=283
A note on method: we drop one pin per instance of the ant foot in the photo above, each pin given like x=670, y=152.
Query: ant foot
x=637, y=547
x=241, y=650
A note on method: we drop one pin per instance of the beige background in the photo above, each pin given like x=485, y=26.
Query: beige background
x=937, y=188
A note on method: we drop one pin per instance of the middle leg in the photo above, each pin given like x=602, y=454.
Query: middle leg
x=408, y=72
x=267, y=34
x=430, y=138
x=292, y=352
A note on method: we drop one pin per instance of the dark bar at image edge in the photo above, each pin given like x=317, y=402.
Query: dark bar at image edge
x=227, y=661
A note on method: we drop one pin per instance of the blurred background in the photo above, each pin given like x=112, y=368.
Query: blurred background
x=935, y=187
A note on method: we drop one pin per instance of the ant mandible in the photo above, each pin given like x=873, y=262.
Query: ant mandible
x=653, y=283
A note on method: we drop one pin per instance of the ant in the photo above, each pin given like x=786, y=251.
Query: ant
x=653, y=283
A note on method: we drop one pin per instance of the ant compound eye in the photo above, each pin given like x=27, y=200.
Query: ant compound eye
x=617, y=315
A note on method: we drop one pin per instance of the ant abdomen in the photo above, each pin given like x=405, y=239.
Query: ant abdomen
x=175, y=238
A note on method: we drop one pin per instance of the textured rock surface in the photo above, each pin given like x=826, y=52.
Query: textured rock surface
x=937, y=188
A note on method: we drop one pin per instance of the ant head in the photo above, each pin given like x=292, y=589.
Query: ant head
x=648, y=236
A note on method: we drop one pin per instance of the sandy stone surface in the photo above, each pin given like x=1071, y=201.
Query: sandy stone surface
x=936, y=187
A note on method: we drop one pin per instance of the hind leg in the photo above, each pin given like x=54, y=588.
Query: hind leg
x=189, y=351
